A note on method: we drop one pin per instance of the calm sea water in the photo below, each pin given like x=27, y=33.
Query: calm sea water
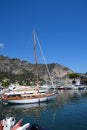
x=67, y=112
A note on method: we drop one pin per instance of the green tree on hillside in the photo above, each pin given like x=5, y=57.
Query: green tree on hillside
x=73, y=76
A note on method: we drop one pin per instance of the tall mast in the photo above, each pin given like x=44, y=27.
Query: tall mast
x=35, y=55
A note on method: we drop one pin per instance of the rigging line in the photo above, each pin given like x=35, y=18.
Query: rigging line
x=44, y=60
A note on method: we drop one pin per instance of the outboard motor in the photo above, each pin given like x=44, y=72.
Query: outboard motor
x=8, y=123
x=37, y=127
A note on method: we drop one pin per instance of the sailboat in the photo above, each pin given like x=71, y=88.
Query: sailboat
x=26, y=97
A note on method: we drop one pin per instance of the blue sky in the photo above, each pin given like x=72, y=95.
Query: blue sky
x=61, y=27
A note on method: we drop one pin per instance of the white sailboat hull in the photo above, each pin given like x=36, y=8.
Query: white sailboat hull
x=29, y=101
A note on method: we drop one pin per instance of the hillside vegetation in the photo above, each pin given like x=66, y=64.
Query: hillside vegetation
x=16, y=70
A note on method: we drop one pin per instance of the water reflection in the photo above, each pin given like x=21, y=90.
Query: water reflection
x=49, y=114
x=63, y=98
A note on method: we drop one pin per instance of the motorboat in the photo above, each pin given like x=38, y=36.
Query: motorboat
x=9, y=123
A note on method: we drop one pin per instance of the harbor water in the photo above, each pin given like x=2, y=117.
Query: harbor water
x=67, y=112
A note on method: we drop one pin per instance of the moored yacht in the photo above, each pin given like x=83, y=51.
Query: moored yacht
x=26, y=94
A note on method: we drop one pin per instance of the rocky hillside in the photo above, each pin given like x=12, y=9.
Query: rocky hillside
x=16, y=66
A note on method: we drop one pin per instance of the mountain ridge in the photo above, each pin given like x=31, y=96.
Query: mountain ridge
x=17, y=66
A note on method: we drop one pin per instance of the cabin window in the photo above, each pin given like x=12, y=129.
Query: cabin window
x=15, y=95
